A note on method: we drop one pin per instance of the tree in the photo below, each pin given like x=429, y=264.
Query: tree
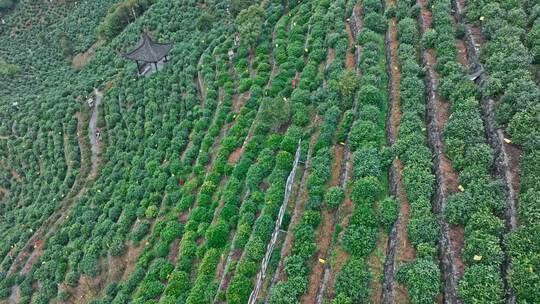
x=7, y=69
x=481, y=284
x=388, y=212
x=375, y=22
x=238, y=5
x=364, y=133
x=216, y=235
x=352, y=282
x=205, y=21
x=348, y=82
x=366, y=190
x=367, y=162
x=359, y=240
x=333, y=197
x=422, y=279
x=274, y=112
x=249, y=24
x=239, y=290
x=6, y=4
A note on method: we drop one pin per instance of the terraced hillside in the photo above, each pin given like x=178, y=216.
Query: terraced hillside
x=288, y=151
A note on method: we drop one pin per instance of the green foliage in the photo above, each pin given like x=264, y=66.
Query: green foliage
x=481, y=284
x=216, y=235
x=366, y=190
x=120, y=15
x=333, y=197
x=352, y=283
x=7, y=4
x=375, y=22
x=421, y=277
x=388, y=212
x=367, y=162
x=348, y=82
x=239, y=290
x=7, y=70
x=249, y=23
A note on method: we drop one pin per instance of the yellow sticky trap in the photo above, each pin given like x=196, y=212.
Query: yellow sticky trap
x=481, y=18
x=530, y=269
x=322, y=261
x=508, y=141
x=460, y=187
x=306, y=50
x=342, y=143
x=477, y=257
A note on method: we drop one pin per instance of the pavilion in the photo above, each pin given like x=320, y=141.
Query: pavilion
x=148, y=52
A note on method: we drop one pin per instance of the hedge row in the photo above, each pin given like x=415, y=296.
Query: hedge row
x=421, y=276
x=507, y=56
x=480, y=207
x=373, y=209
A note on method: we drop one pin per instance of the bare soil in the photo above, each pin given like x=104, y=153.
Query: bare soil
x=15, y=175
x=514, y=155
x=462, y=53
x=81, y=59
x=5, y=193
x=395, y=77
x=349, y=62
x=456, y=243
x=376, y=266
x=173, y=251
x=235, y=156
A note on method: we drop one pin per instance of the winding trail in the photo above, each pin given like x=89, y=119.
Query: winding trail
x=31, y=251
x=95, y=144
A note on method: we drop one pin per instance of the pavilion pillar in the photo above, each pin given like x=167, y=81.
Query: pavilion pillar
x=138, y=67
x=155, y=64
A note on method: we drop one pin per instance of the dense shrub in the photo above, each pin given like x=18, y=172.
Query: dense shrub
x=421, y=277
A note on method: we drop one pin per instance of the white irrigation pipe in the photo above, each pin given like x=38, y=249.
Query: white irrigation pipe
x=264, y=264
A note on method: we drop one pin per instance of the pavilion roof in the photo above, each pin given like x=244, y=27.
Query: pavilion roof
x=148, y=50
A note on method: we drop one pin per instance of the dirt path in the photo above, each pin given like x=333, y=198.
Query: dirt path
x=200, y=81
x=95, y=144
x=5, y=193
x=14, y=173
x=399, y=249
x=15, y=296
x=446, y=180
